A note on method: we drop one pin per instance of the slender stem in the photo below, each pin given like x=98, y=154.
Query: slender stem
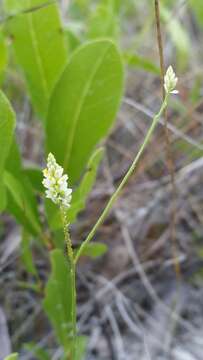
x=69, y=252
x=123, y=182
x=169, y=155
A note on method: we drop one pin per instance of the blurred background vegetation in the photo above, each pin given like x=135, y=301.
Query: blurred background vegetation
x=132, y=304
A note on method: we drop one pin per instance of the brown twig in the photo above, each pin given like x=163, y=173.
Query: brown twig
x=170, y=162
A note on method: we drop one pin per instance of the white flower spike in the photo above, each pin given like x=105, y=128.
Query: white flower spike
x=56, y=183
x=170, y=81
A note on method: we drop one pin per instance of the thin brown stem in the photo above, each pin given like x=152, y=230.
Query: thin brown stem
x=169, y=155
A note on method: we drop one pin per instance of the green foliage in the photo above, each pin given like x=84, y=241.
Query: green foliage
x=35, y=177
x=81, y=193
x=13, y=356
x=21, y=203
x=103, y=23
x=197, y=7
x=84, y=104
x=58, y=302
x=178, y=36
x=7, y=125
x=39, y=353
x=139, y=62
x=95, y=249
x=26, y=254
x=3, y=196
x=37, y=38
x=4, y=55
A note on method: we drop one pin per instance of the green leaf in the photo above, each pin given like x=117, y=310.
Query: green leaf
x=26, y=253
x=139, y=62
x=35, y=176
x=57, y=303
x=13, y=356
x=198, y=10
x=95, y=249
x=39, y=353
x=21, y=203
x=3, y=196
x=72, y=37
x=103, y=23
x=3, y=55
x=81, y=193
x=84, y=104
x=14, y=161
x=39, y=46
x=81, y=345
x=7, y=125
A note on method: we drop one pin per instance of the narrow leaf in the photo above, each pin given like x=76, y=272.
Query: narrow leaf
x=95, y=249
x=7, y=124
x=21, y=203
x=57, y=302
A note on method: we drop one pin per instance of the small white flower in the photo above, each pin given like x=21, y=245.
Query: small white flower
x=170, y=81
x=56, y=183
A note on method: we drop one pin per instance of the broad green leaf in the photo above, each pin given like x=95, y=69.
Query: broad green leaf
x=95, y=249
x=57, y=303
x=7, y=124
x=39, y=46
x=84, y=104
x=21, y=202
x=13, y=356
x=26, y=253
x=3, y=55
x=139, y=62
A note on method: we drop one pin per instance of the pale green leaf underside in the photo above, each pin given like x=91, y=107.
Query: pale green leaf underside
x=84, y=104
x=39, y=47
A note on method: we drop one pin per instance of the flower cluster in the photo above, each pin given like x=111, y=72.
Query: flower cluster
x=56, y=183
x=170, y=81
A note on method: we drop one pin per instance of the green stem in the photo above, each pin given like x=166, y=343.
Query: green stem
x=123, y=182
x=69, y=251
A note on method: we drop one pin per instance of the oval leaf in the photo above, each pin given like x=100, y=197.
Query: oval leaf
x=37, y=36
x=84, y=104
